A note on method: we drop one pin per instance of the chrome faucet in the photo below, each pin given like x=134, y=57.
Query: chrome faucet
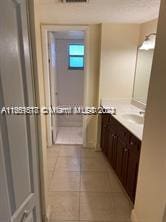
x=113, y=111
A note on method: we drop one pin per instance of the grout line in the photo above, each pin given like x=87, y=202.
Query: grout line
x=79, y=192
x=66, y=135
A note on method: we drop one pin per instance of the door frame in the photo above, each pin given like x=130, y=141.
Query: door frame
x=44, y=32
x=52, y=77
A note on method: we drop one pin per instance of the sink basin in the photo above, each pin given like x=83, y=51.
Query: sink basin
x=134, y=118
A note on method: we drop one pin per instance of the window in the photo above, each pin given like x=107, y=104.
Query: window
x=76, y=56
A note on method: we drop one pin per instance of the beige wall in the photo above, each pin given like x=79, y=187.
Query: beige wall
x=118, y=55
x=150, y=204
x=69, y=82
x=93, y=81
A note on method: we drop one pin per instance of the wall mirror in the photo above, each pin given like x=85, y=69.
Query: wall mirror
x=143, y=69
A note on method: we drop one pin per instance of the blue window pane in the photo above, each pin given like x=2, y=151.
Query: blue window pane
x=76, y=62
x=76, y=50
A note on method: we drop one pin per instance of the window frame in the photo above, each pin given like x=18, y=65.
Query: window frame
x=78, y=56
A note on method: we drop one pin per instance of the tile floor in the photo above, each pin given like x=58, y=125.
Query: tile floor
x=83, y=187
x=69, y=135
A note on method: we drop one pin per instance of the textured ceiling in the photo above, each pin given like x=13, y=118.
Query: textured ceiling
x=98, y=11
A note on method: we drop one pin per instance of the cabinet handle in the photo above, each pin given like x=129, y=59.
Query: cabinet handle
x=131, y=143
x=126, y=150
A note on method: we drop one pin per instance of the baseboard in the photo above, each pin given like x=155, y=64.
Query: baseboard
x=70, y=124
x=98, y=148
x=48, y=214
x=54, y=135
x=134, y=217
x=89, y=145
x=92, y=145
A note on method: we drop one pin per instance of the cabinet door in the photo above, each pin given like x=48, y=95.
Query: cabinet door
x=122, y=161
x=125, y=165
x=112, y=150
x=104, y=134
x=106, y=140
x=132, y=172
x=119, y=161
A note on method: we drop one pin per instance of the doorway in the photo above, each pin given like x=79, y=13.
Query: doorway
x=67, y=69
x=65, y=56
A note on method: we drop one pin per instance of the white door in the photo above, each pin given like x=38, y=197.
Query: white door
x=19, y=192
x=53, y=88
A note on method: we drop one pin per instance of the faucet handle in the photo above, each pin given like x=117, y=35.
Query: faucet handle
x=113, y=111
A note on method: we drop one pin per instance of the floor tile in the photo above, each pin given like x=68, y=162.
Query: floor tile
x=122, y=207
x=83, y=187
x=96, y=206
x=70, y=152
x=54, y=149
x=49, y=176
x=52, y=156
x=90, y=153
x=93, y=164
x=114, y=182
x=69, y=135
x=69, y=146
x=95, y=181
x=51, y=162
x=68, y=164
x=64, y=205
x=65, y=181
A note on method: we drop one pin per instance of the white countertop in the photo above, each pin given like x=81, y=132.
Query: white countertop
x=125, y=107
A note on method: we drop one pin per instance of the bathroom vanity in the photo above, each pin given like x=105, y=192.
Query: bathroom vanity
x=121, y=144
x=121, y=134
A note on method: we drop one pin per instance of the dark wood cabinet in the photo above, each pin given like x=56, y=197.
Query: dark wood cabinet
x=133, y=163
x=105, y=133
x=120, y=152
x=125, y=166
x=122, y=149
x=112, y=142
x=112, y=152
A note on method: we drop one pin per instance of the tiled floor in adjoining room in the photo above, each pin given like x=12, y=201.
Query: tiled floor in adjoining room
x=83, y=187
x=69, y=135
